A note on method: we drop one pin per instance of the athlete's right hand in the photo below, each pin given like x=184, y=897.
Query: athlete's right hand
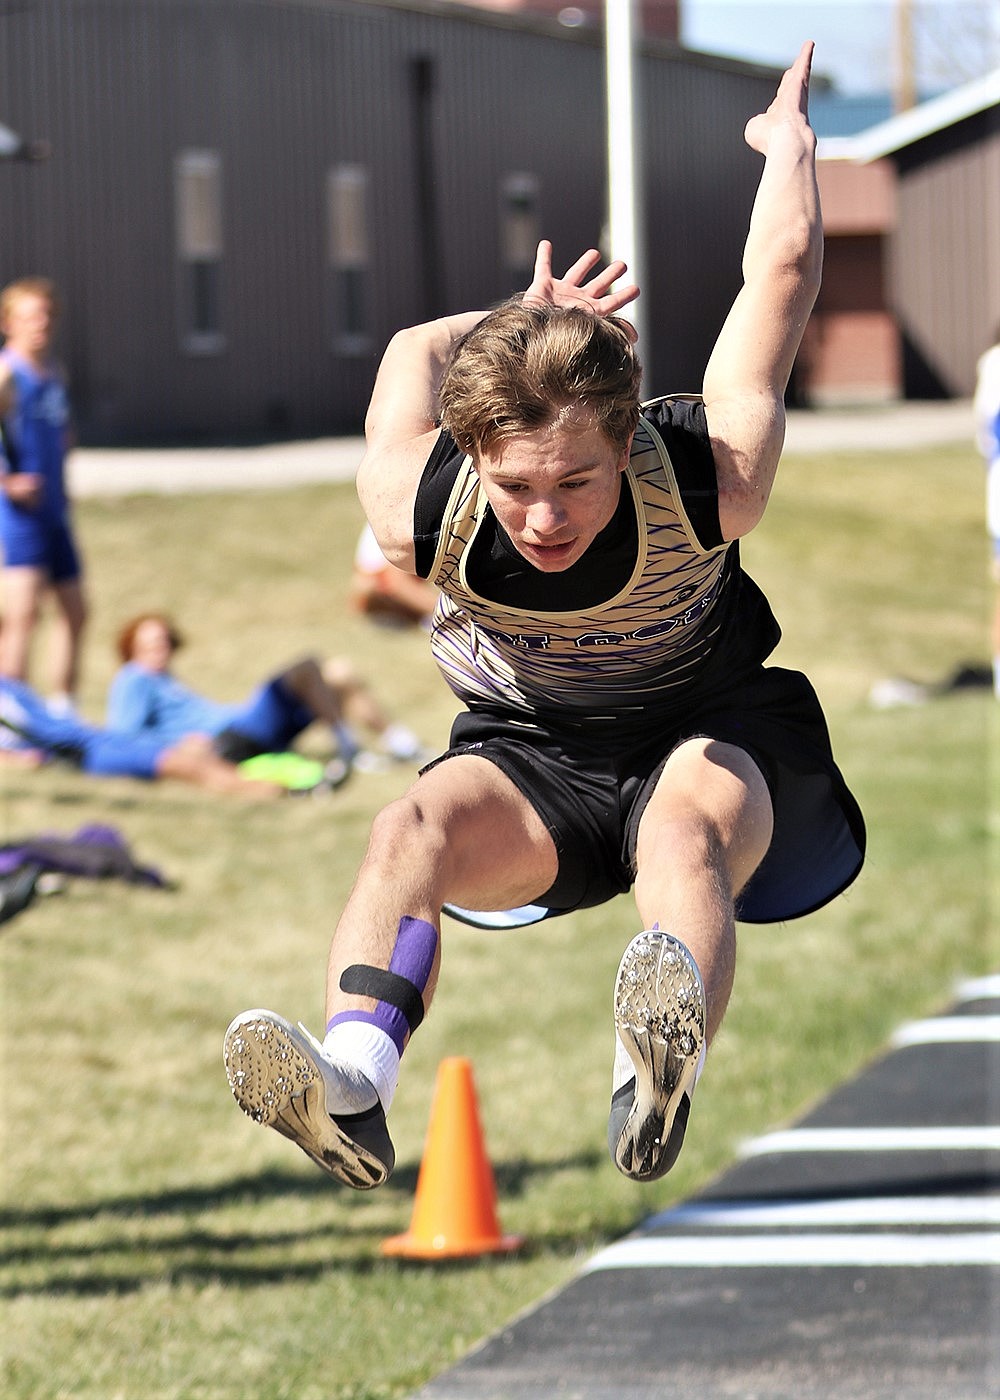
x=23, y=489
x=594, y=296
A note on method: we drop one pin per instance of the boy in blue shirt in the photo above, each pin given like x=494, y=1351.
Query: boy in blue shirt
x=39, y=552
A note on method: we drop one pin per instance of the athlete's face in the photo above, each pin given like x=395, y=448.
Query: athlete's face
x=29, y=323
x=554, y=490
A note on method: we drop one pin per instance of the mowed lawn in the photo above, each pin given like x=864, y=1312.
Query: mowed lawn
x=157, y=1244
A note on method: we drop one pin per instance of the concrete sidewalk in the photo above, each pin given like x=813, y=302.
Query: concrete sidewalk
x=124, y=471
x=881, y=427
x=168, y=470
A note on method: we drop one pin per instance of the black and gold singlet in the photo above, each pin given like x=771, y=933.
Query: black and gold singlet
x=633, y=626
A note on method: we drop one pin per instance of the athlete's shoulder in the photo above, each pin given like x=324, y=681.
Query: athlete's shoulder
x=441, y=469
x=679, y=428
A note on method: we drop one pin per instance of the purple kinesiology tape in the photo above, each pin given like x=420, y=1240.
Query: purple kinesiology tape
x=399, y=992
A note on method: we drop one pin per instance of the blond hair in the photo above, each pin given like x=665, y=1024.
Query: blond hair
x=28, y=286
x=522, y=365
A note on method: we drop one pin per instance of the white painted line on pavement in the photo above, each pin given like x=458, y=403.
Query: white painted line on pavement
x=799, y=1251
x=972, y=1139
x=851, y=1211
x=948, y=1030
x=979, y=988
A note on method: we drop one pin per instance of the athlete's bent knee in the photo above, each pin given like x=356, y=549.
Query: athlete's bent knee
x=403, y=831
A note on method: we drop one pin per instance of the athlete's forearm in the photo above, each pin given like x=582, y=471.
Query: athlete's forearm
x=405, y=398
x=785, y=238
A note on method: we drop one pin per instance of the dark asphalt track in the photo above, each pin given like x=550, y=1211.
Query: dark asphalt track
x=855, y=1256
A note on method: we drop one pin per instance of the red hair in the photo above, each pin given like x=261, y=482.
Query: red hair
x=126, y=637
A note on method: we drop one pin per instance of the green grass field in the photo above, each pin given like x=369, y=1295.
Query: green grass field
x=155, y=1243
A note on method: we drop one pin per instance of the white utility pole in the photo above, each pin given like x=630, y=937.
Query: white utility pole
x=904, y=77
x=626, y=206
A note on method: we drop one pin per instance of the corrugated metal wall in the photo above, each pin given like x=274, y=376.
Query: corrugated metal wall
x=283, y=92
x=701, y=180
x=945, y=256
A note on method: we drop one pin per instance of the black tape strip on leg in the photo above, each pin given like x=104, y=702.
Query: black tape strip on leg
x=361, y=980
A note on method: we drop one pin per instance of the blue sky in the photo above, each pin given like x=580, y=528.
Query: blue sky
x=854, y=38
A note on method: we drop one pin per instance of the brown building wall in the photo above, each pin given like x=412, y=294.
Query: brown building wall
x=850, y=353
x=911, y=285
x=945, y=256
x=851, y=350
x=857, y=198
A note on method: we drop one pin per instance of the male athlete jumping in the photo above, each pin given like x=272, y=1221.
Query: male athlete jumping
x=620, y=727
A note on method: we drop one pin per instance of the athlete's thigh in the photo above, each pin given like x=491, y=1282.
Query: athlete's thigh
x=496, y=852
x=720, y=788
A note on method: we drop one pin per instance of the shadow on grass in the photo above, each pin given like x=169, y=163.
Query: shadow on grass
x=242, y=1258
x=511, y=1177
x=241, y=1190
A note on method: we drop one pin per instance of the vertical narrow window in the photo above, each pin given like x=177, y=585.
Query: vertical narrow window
x=519, y=229
x=349, y=257
x=198, y=192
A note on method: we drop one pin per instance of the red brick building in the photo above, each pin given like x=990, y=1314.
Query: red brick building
x=911, y=286
x=851, y=352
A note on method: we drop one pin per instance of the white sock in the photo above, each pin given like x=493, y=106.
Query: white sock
x=996, y=676
x=368, y=1062
x=624, y=1069
x=60, y=704
x=400, y=742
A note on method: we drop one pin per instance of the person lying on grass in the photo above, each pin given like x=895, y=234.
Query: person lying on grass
x=31, y=735
x=147, y=699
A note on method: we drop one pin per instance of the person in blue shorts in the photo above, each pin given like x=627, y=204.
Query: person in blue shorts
x=620, y=728
x=31, y=735
x=147, y=698
x=39, y=551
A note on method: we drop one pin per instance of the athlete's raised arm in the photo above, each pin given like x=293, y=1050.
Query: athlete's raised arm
x=401, y=428
x=748, y=371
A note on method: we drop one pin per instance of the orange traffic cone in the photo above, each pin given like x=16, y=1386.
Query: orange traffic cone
x=454, y=1214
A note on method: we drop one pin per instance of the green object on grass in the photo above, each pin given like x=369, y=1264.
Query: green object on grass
x=291, y=770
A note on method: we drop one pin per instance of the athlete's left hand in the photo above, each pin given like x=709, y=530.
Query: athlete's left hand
x=790, y=108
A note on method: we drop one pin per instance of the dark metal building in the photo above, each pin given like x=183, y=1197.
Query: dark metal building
x=245, y=198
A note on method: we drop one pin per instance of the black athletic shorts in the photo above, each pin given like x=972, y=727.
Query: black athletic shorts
x=590, y=783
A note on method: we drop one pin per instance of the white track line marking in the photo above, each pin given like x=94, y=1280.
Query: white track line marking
x=800, y=1251
x=948, y=1030
x=856, y=1211
x=979, y=988
x=972, y=1139
x=881, y=1250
